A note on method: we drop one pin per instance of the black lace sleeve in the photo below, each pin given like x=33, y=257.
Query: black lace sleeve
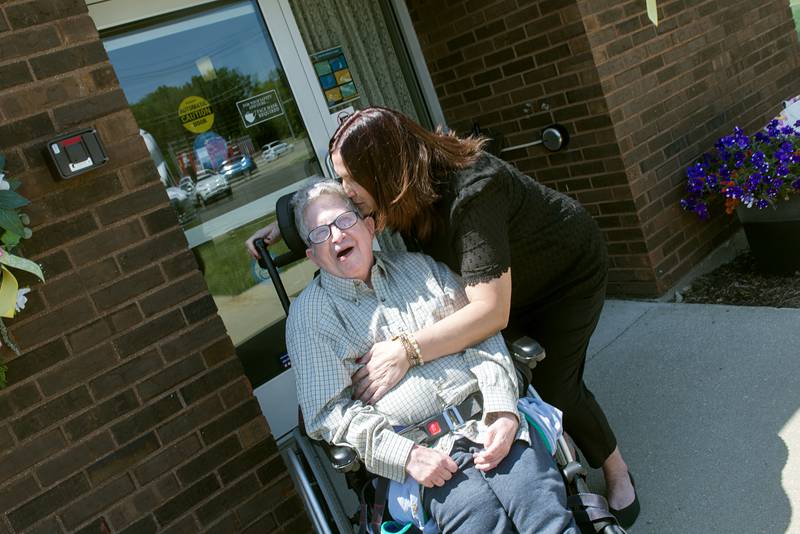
x=481, y=238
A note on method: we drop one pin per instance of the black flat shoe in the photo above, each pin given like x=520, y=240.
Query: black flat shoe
x=626, y=517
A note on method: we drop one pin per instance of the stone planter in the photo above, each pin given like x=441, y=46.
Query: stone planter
x=774, y=235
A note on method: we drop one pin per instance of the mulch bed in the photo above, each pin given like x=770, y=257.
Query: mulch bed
x=739, y=283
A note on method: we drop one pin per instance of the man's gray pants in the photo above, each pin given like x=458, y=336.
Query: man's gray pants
x=524, y=493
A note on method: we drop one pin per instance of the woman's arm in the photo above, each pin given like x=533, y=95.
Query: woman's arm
x=485, y=313
x=271, y=234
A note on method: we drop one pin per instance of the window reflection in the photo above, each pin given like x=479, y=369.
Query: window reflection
x=218, y=116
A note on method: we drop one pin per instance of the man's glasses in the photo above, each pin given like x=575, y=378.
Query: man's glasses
x=322, y=233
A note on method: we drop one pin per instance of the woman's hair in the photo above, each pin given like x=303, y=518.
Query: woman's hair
x=315, y=187
x=400, y=163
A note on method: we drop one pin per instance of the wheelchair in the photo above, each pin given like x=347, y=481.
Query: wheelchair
x=590, y=510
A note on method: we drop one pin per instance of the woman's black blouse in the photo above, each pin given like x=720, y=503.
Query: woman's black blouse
x=491, y=217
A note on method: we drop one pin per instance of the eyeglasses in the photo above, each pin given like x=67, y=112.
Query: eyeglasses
x=322, y=233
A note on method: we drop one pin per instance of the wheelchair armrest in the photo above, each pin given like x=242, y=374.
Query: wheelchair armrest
x=526, y=351
x=343, y=459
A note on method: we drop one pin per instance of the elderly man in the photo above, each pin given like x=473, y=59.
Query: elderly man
x=452, y=423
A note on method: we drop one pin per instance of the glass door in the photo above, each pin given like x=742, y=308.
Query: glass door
x=212, y=99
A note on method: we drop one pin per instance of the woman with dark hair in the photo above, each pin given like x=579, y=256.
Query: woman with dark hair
x=532, y=259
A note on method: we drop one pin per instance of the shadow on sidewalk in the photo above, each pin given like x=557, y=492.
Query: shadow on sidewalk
x=702, y=399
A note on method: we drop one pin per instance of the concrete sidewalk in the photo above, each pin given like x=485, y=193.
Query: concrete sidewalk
x=704, y=400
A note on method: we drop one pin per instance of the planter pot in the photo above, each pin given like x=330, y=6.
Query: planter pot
x=774, y=235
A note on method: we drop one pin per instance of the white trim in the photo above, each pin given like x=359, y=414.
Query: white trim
x=409, y=36
x=110, y=13
x=221, y=14
x=294, y=57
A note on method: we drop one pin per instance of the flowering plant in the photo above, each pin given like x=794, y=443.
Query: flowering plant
x=755, y=171
x=13, y=228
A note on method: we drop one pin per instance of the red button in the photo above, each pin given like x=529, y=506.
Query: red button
x=434, y=428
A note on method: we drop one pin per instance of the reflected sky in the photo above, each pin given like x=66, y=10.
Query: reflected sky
x=167, y=54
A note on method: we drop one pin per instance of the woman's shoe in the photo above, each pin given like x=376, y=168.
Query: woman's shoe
x=626, y=517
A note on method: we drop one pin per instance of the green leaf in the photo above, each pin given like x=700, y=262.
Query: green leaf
x=10, y=239
x=9, y=219
x=10, y=200
x=18, y=262
x=14, y=184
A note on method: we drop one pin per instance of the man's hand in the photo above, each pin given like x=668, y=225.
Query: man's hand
x=499, y=439
x=430, y=467
x=384, y=366
x=270, y=234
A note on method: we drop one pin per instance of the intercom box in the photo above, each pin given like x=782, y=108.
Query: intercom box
x=76, y=152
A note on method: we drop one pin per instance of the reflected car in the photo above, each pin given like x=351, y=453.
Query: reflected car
x=182, y=203
x=211, y=186
x=275, y=149
x=236, y=166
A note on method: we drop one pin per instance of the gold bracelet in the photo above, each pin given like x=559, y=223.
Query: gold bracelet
x=415, y=345
x=411, y=348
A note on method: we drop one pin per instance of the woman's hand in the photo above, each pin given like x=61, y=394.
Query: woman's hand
x=270, y=234
x=384, y=366
x=499, y=439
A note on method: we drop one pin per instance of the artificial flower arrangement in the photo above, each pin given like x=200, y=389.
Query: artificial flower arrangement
x=753, y=172
x=13, y=226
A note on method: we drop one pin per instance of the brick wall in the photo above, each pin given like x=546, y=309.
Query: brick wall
x=640, y=103
x=128, y=410
x=673, y=90
x=516, y=67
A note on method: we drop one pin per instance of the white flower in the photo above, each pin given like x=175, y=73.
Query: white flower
x=21, y=298
x=4, y=185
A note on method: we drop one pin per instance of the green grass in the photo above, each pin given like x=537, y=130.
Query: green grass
x=225, y=262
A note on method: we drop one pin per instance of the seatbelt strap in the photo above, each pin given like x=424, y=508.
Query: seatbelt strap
x=370, y=520
x=451, y=419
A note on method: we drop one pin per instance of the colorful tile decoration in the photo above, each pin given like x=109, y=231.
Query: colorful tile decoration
x=334, y=76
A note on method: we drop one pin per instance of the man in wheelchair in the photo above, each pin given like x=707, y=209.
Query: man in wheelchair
x=451, y=424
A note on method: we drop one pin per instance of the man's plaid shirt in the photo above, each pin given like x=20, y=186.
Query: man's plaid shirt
x=336, y=320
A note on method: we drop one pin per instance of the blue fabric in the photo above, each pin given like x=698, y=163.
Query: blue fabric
x=524, y=493
x=544, y=418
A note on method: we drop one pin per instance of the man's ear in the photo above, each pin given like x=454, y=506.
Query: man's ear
x=370, y=222
x=310, y=255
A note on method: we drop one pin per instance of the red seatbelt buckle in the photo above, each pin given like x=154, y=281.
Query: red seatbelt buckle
x=434, y=429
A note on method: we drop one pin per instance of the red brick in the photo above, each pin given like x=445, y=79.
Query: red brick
x=25, y=130
x=78, y=29
x=14, y=74
x=41, y=96
x=27, y=41
x=90, y=108
x=55, y=323
x=125, y=289
x=69, y=59
x=126, y=374
x=104, y=243
x=25, y=14
x=77, y=370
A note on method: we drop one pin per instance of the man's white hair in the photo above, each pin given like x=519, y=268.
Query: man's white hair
x=315, y=187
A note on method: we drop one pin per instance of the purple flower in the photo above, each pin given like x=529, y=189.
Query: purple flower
x=757, y=171
x=735, y=192
x=761, y=137
x=696, y=171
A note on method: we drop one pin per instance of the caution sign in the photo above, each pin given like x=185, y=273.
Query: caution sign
x=195, y=114
x=260, y=108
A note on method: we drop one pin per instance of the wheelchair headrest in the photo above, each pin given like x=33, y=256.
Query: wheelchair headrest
x=285, y=216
